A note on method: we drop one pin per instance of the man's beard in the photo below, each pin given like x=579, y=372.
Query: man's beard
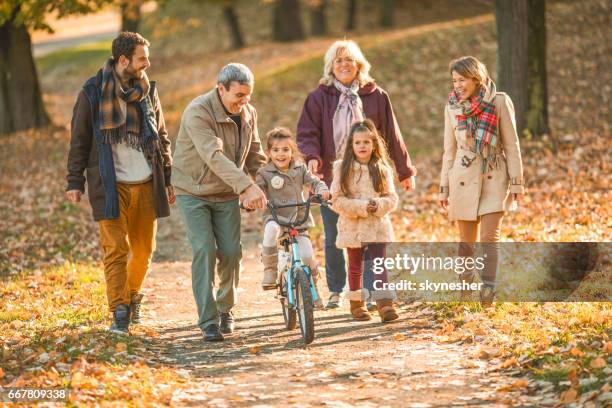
x=131, y=73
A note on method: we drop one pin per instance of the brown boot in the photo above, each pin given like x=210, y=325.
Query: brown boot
x=386, y=310
x=359, y=311
x=269, y=258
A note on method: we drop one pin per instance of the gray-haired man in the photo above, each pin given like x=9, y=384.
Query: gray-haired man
x=217, y=145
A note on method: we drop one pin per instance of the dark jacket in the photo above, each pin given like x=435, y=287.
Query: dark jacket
x=284, y=188
x=84, y=156
x=315, y=134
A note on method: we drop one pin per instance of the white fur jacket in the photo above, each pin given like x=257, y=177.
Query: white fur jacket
x=355, y=225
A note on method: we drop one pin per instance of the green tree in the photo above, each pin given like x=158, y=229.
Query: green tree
x=21, y=105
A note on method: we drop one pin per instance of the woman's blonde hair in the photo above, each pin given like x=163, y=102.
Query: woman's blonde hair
x=470, y=67
x=351, y=49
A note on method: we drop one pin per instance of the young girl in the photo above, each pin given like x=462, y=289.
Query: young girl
x=363, y=195
x=283, y=180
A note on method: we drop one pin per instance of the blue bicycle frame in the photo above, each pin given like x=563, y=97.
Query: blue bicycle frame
x=297, y=261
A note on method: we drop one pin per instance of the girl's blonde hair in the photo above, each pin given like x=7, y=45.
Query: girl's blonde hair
x=351, y=49
x=470, y=67
x=378, y=164
x=281, y=133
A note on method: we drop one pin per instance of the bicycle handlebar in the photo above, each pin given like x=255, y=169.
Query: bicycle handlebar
x=315, y=198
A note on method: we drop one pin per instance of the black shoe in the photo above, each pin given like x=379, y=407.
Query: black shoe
x=212, y=333
x=121, y=319
x=135, y=303
x=227, y=322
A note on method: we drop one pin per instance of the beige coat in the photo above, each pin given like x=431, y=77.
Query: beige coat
x=284, y=188
x=211, y=157
x=355, y=225
x=471, y=193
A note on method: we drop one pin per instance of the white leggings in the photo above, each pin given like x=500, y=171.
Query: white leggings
x=271, y=233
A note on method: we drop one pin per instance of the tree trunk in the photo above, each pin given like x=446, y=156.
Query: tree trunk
x=130, y=15
x=521, y=36
x=537, y=90
x=387, y=13
x=287, y=21
x=318, y=23
x=351, y=18
x=234, y=26
x=21, y=105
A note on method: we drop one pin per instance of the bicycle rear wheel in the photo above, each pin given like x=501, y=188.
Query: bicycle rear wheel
x=304, y=305
x=289, y=314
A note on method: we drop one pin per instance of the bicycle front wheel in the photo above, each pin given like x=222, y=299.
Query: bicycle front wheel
x=304, y=305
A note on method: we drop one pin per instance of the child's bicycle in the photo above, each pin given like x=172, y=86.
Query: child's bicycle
x=296, y=287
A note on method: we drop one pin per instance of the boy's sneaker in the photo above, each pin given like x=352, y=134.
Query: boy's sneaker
x=121, y=320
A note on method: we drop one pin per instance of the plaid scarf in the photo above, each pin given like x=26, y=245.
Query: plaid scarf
x=120, y=127
x=478, y=116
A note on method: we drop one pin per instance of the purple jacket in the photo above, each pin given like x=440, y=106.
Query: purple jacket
x=315, y=136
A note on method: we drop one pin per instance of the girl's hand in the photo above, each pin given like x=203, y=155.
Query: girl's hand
x=407, y=184
x=444, y=204
x=372, y=206
x=313, y=167
x=325, y=195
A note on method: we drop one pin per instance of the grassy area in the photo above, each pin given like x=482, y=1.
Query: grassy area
x=566, y=345
x=53, y=333
x=70, y=61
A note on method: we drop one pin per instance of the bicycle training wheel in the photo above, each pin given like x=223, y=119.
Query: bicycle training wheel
x=289, y=314
x=304, y=305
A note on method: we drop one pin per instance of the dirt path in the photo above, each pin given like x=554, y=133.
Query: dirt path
x=348, y=364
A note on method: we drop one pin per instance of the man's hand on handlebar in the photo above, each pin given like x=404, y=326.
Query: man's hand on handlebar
x=253, y=197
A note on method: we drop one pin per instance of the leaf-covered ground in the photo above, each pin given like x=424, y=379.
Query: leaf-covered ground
x=52, y=303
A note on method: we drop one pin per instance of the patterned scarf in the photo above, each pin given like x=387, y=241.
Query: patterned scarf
x=120, y=127
x=349, y=110
x=478, y=116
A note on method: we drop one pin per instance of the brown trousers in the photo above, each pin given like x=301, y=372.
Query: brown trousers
x=128, y=242
x=486, y=230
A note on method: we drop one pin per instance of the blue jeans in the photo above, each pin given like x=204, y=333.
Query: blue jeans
x=335, y=264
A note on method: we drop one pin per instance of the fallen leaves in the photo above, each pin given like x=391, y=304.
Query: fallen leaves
x=598, y=363
x=399, y=337
x=569, y=396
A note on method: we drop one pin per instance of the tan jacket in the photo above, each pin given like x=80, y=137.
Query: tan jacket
x=287, y=188
x=471, y=193
x=211, y=158
x=355, y=224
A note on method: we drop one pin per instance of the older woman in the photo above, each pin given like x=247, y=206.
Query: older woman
x=482, y=170
x=346, y=94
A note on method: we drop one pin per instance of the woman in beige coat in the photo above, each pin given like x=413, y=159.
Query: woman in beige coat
x=363, y=195
x=482, y=171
